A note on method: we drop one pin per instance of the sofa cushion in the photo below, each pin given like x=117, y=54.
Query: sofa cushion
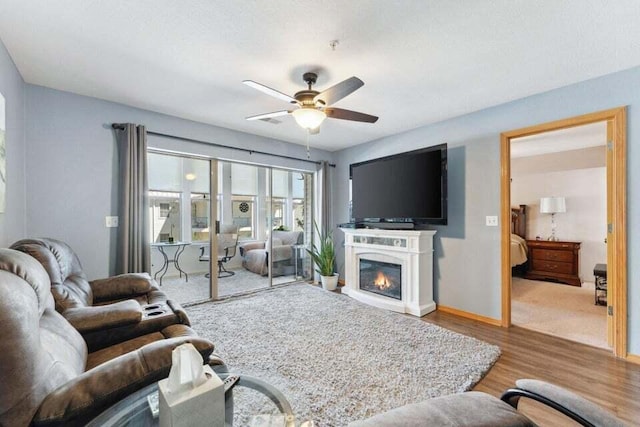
x=69, y=284
x=121, y=286
x=174, y=331
x=287, y=237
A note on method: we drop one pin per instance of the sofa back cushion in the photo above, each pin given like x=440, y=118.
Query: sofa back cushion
x=69, y=285
x=288, y=238
x=41, y=350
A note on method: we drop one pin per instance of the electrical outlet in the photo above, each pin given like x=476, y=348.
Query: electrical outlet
x=492, y=221
x=111, y=221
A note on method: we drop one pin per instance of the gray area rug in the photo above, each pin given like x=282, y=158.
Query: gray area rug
x=338, y=360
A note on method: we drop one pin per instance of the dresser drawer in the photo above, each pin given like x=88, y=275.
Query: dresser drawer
x=551, y=255
x=554, y=260
x=552, y=266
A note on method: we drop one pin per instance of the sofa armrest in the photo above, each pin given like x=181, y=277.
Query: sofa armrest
x=121, y=286
x=249, y=246
x=88, y=319
x=85, y=396
x=568, y=403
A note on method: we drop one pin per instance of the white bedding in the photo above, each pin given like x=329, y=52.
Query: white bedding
x=518, y=250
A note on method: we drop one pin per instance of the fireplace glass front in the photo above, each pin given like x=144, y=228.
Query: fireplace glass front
x=383, y=278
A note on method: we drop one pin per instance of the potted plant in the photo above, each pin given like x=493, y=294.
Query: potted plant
x=324, y=257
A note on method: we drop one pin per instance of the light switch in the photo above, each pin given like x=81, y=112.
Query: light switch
x=492, y=221
x=111, y=221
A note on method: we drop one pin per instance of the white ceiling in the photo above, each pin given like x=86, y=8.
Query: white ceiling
x=421, y=61
x=574, y=138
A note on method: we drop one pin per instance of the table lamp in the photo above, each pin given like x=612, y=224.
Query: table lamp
x=553, y=205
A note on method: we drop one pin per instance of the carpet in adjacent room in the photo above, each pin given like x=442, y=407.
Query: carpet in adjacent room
x=338, y=360
x=564, y=311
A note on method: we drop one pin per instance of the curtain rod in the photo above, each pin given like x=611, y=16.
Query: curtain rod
x=246, y=150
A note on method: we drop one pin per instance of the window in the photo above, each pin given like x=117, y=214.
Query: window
x=165, y=216
x=242, y=211
x=178, y=198
x=200, y=203
x=298, y=215
x=164, y=209
x=278, y=208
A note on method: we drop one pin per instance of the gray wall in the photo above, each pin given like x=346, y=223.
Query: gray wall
x=467, y=253
x=72, y=165
x=12, y=87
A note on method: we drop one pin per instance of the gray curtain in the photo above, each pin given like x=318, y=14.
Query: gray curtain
x=325, y=197
x=133, y=253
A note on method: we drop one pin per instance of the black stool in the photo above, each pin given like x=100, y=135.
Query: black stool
x=600, y=272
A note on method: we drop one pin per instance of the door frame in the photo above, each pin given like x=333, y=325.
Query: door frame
x=616, y=208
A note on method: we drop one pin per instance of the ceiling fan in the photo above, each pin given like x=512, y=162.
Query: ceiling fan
x=314, y=106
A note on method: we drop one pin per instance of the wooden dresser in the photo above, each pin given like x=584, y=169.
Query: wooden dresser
x=557, y=261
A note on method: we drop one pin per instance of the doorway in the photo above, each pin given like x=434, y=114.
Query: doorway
x=559, y=200
x=615, y=120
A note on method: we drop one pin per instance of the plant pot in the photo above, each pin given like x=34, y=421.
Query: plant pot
x=329, y=283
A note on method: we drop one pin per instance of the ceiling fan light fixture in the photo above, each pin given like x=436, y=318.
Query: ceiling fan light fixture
x=309, y=118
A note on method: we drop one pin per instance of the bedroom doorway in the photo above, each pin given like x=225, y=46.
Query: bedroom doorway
x=553, y=286
x=612, y=123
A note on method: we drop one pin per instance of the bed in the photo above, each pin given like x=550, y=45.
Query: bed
x=519, y=248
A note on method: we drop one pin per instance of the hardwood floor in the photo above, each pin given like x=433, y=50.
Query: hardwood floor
x=591, y=372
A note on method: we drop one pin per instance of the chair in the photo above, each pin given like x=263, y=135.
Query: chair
x=474, y=408
x=256, y=255
x=600, y=274
x=129, y=305
x=49, y=377
x=227, y=244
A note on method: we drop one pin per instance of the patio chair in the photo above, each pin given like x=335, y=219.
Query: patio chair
x=227, y=244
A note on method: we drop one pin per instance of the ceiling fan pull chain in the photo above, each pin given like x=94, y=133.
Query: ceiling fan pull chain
x=308, y=132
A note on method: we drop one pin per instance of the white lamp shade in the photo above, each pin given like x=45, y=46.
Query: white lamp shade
x=552, y=205
x=309, y=118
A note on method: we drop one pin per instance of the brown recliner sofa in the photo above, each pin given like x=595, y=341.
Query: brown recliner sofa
x=105, y=311
x=48, y=378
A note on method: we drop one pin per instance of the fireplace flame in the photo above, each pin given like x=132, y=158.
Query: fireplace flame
x=381, y=281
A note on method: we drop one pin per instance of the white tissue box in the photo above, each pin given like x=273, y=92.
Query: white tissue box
x=199, y=406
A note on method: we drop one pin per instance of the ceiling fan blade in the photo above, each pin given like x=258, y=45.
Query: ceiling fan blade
x=266, y=89
x=269, y=115
x=339, y=113
x=314, y=131
x=337, y=92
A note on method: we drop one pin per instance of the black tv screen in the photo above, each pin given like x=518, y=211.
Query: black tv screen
x=405, y=187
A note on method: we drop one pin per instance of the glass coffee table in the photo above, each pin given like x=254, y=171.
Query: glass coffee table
x=135, y=409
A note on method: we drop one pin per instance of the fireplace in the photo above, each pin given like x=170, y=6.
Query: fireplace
x=404, y=261
x=382, y=278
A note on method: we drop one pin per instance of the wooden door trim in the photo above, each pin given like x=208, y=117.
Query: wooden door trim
x=617, y=272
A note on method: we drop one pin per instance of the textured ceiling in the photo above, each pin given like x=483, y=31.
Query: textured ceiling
x=421, y=61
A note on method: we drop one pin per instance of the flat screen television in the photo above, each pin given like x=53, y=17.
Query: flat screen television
x=407, y=187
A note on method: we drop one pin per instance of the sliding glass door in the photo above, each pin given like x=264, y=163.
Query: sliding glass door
x=291, y=224
x=263, y=225
x=272, y=211
x=179, y=205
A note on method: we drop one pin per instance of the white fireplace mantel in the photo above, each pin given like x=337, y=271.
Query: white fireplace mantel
x=412, y=249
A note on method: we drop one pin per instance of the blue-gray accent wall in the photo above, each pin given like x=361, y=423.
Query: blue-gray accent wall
x=467, y=253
